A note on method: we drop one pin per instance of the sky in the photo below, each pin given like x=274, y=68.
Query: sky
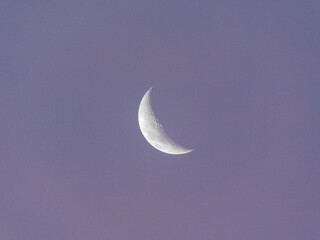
x=239, y=81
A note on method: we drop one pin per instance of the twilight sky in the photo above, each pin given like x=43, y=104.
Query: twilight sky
x=237, y=80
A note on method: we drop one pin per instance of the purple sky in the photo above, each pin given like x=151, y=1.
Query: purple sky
x=237, y=80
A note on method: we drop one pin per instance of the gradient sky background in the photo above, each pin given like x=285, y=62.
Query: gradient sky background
x=237, y=80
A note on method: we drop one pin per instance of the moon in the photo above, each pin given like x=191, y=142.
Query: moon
x=153, y=131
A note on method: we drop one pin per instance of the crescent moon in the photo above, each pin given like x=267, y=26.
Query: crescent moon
x=153, y=131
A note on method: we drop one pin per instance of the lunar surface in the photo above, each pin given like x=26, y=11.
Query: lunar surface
x=153, y=131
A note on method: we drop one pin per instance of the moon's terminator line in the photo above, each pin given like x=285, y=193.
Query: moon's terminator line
x=153, y=131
